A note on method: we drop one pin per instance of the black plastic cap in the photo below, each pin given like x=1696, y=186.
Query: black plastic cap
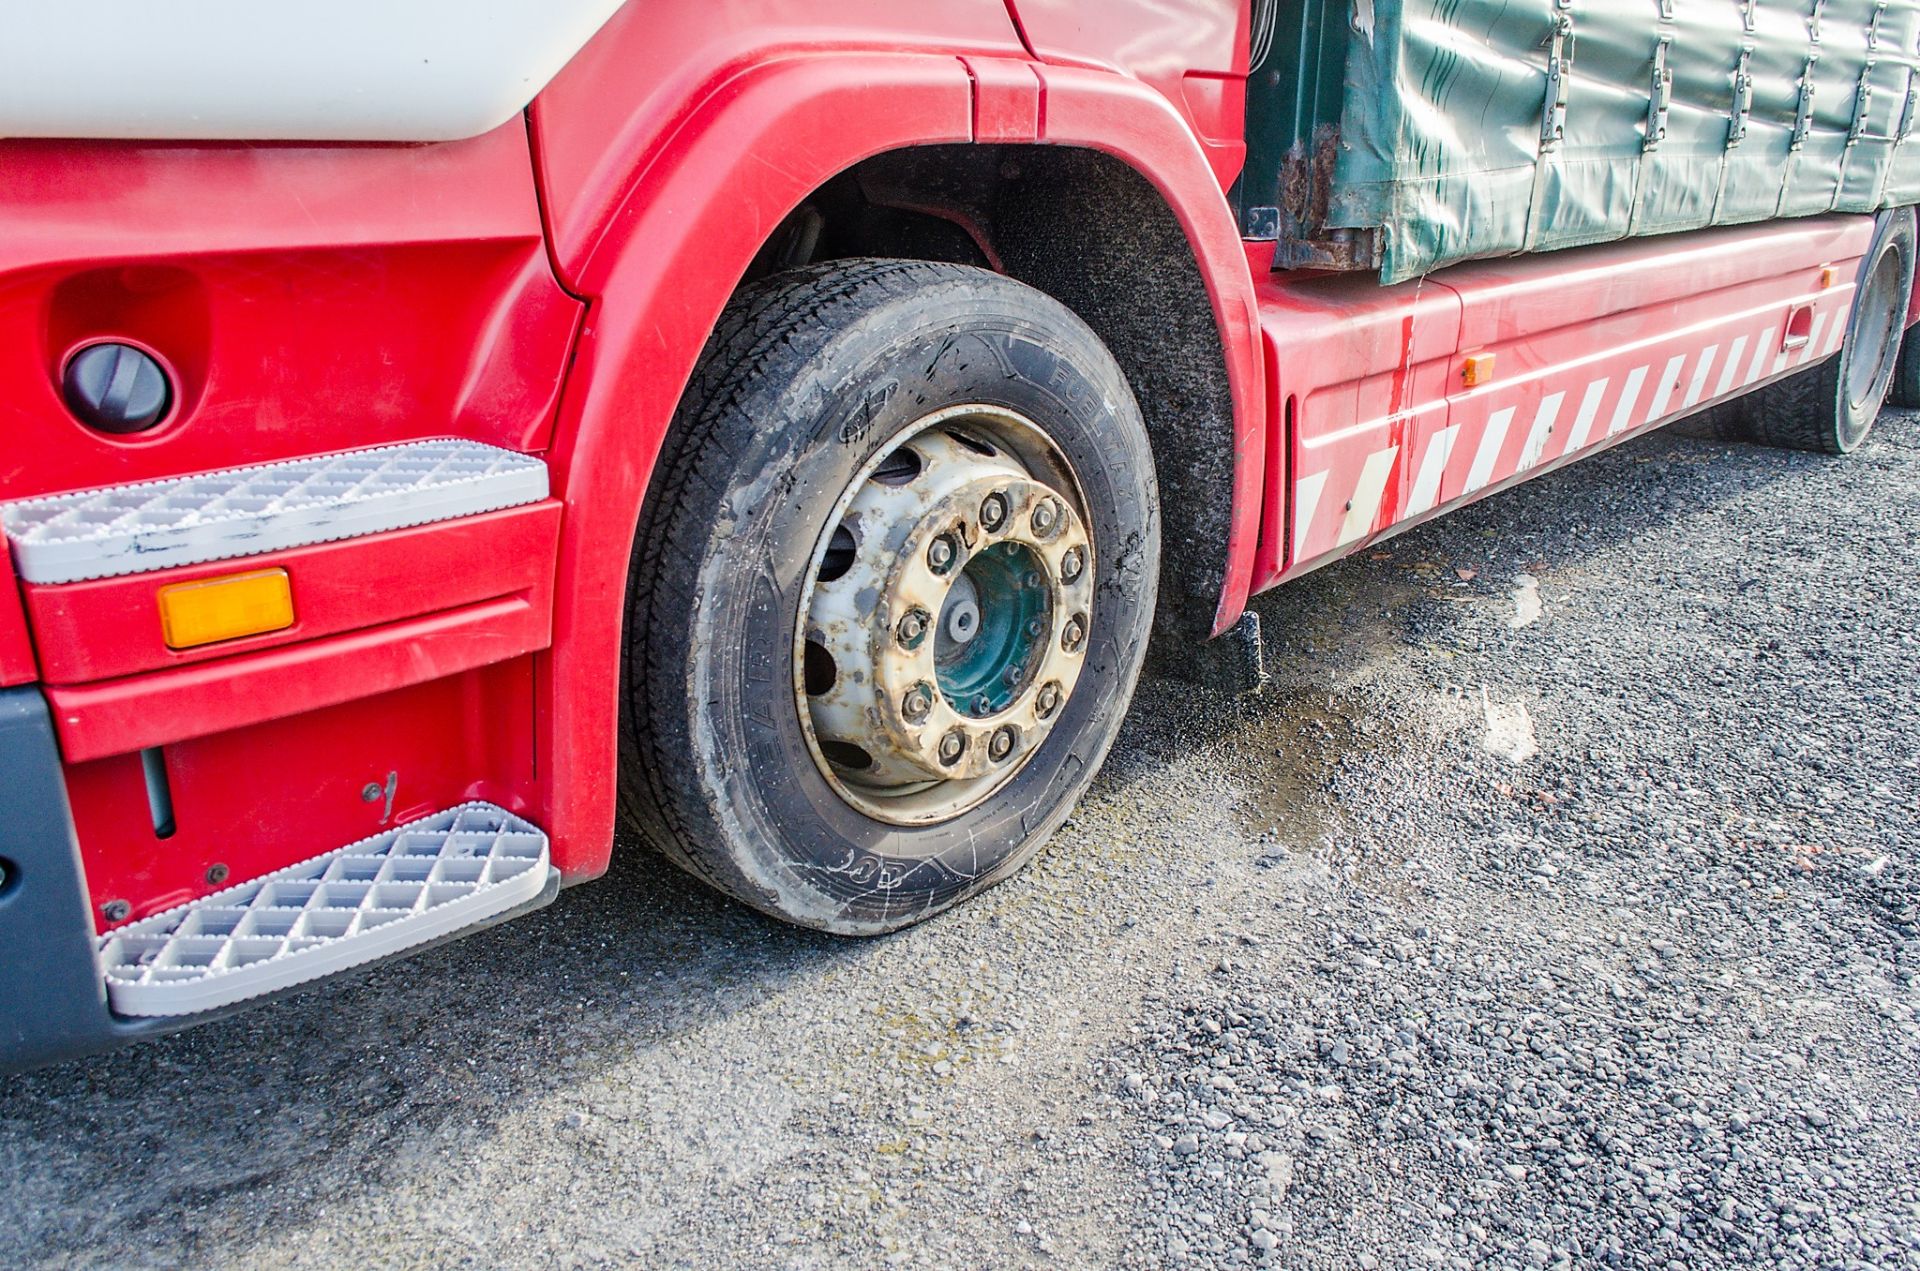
x=116, y=388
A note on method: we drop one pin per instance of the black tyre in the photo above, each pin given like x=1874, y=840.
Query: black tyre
x=1830, y=407
x=890, y=593
x=1905, y=392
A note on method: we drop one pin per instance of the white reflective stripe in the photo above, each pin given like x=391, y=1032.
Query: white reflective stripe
x=1759, y=356
x=1629, y=394
x=1306, y=499
x=1433, y=465
x=1833, y=341
x=1489, y=453
x=1366, y=496
x=1583, y=422
x=1732, y=367
x=1542, y=427
x=1663, y=393
x=1813, y=338
x=1697, y=387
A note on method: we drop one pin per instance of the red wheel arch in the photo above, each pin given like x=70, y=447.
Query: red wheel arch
x=660, y=261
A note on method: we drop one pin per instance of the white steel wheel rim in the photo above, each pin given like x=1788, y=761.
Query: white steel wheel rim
x=946, y=615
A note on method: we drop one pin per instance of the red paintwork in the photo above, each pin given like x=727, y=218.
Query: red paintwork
x=1669, y=311
x=93, y=721
x=110, y=627
x=1191, y=52
x=309, y=299
x=16, y=646
x=256, y=799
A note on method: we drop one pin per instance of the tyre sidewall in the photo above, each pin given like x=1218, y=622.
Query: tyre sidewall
x=808, y=854
x=1895, y=232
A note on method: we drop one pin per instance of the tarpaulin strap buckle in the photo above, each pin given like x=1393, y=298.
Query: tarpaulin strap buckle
x=1553, y=114
x=1661, y=96
x=1803, y=113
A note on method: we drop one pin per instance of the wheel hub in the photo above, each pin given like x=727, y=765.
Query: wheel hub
x=936, y=655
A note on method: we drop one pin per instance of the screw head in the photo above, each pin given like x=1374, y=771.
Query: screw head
x=952, y=746
x=1033, y=579
x=115, y=910
x=1073, y=633
x=217, y=874
x=993, y=511
x=981, y=705
x=913, y=627
x=1045, y=517
x=1035, y=626
x=1048, y=700
x=941, y=553
x=1000, y=745
x=917, y=703
x=371, y=792
x=1072, y=563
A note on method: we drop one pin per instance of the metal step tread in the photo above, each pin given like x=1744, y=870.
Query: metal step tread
x=133, y=529
x=408, y=885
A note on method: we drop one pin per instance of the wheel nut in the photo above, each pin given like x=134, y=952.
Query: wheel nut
x=1045, y=517
x=1073, y=633
x=993, y=511
x=913, y=627
x=940, y=554
x=1048, y=700
x=1001, y=744
x=917, y=703
x=1071, y=564
x=952, y=746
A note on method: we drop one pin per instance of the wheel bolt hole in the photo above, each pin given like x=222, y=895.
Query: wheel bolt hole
x=972, y=443
x=1001, y=744
x=1074, y=633
x=952, y=747
x=1072, y=564
x=913, y=628
x=1047, y=701
x=993, y=512
x=818, y=671
x=844, y=754
x=900, y=467
x=942, y=553
x=840, y=552
x=1045, y=518
x=917, y=703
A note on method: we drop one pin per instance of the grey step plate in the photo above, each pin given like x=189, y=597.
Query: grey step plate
x=383, y=894
x=133, y=529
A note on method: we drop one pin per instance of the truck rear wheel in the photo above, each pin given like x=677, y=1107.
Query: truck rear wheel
x=1831, y=407
x=890, y=595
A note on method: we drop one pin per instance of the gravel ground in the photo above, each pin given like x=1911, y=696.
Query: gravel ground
x=1560, y=906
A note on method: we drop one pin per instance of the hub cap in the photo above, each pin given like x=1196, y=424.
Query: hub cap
x=946, y=616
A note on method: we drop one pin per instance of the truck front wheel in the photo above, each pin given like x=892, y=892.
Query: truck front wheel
x=890, y=594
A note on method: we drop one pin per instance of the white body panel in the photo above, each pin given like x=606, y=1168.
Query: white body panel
x=268, y=70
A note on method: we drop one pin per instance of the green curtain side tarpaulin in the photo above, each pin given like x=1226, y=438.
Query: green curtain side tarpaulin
x=1469, y=128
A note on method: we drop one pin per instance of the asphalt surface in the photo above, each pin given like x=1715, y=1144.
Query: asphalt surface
x=1560, y=906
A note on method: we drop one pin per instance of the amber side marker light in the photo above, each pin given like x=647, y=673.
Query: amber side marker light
x=213, y=609
x=1477, y=369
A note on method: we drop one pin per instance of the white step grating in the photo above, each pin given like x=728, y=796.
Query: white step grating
x=417, y=882
x=131, y=529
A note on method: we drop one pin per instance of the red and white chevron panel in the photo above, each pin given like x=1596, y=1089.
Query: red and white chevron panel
x=1587, y=347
